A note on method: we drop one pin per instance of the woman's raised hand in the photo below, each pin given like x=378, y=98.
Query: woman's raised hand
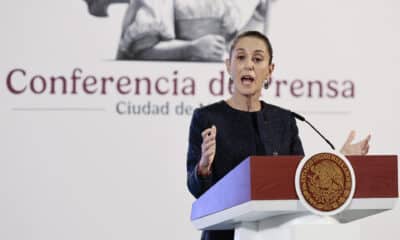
x=359, y=148
x=208, y=148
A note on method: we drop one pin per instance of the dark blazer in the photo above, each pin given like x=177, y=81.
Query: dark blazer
x=239, y=135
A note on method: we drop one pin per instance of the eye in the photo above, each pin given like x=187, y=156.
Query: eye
x=240, y=57
x=258, y=59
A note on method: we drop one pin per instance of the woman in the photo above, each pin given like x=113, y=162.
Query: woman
x=190, y=30
x=245, y=124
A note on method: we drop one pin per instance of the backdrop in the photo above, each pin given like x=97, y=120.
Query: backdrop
x=94, y=148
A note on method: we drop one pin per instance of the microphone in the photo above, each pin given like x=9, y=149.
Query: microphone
x=303, y=119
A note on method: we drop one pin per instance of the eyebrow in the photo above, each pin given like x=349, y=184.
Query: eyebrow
x=242, y=49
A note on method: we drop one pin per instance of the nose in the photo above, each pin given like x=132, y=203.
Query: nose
x=249, y=64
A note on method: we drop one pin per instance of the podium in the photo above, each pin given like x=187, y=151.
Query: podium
x=258, y=198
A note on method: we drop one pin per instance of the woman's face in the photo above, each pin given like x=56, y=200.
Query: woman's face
x=249, y=66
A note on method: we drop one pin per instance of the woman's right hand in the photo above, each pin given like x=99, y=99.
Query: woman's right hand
x=210, y=47
x=208, y=148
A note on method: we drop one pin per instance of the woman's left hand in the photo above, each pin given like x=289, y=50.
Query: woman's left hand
x=359, y=148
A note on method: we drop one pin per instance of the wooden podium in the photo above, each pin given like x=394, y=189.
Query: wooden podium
x=258, y=197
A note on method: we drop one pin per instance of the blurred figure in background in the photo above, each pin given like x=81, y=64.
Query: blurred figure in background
x=99, y=8
x=187, y=30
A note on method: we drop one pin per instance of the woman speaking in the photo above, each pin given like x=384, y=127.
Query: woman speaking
x=224, y=133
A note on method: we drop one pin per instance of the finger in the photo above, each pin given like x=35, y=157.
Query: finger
x=366, y=150
x=220, y=39
x=209, y=154
x=368, y=138
x=209, y=137
x=206, y=132
x=212, y=133
x=351, y=137
x=218, y=55
x=210, y=161
x=208, y=145
x=365, y=142
x=215, y=52
x=219, y=46
x=214, y=130
x=219, y=49
x=366, y=145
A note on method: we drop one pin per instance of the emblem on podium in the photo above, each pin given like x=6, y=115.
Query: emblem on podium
x=325, y=183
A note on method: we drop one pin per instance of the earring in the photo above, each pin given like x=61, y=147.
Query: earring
x=266, y=83
x=230, y=81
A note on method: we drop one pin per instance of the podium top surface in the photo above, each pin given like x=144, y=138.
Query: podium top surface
x=272, y=178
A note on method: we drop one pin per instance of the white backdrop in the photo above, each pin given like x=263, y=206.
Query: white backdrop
x=71, y=167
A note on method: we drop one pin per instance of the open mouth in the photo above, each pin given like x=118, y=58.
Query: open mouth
x=247, y=79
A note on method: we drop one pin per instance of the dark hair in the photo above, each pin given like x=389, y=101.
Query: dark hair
x=255, y=34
